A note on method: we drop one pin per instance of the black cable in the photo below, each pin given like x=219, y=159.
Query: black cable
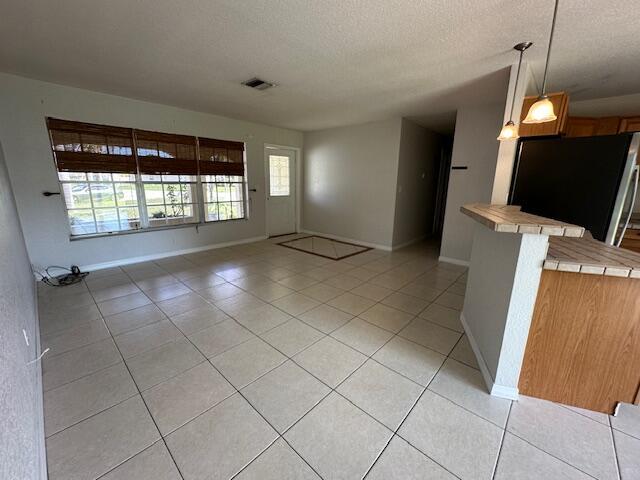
x=74, y=276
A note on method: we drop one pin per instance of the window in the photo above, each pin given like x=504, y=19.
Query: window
x=111, y=186
x=278, y=176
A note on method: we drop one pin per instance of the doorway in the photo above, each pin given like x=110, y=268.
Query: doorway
x=281, y=195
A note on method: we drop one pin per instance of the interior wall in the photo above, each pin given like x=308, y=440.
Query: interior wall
x=417, y=183
x=623, y=105
x=22, y=432
x=24, y=104
x=350, y=176
x=474, y=146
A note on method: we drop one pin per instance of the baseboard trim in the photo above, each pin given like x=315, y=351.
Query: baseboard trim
x=42, y=448
x=410, y=242
x=455, y=261
x=496, y=390
x=173, y=253
x=386, y=248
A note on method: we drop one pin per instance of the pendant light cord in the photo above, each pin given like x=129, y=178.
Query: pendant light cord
x=515, y=87
x=546, y=65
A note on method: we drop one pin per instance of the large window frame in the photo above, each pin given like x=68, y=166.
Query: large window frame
x=95, y=204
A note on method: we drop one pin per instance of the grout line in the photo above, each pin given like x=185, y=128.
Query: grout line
x=615, y=453
x=504, y=434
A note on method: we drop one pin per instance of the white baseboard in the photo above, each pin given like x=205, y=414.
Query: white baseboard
x=410, y=242
x=496, y=390
x=455, y=261
x=42, y=450
x=157, y=256
x=386, y=248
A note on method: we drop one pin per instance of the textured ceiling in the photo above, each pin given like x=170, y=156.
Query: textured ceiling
x=335, y=62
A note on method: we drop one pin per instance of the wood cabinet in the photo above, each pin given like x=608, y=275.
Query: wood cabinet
x=631, y=240
x=591, y=126
x=560, y=102
x=629, y=124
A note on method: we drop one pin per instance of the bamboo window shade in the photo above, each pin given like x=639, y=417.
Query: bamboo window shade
x=221, y=157
x=86, y=147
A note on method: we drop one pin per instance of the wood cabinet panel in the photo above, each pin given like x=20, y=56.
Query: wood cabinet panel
x=583, y=347
x=560, y=102
x=581, y=126
x=607, y=125
x=629, y=124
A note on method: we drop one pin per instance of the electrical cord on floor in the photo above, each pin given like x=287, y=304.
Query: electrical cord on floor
x=74, y=276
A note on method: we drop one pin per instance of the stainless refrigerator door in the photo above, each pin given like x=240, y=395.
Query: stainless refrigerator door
x=624, y=191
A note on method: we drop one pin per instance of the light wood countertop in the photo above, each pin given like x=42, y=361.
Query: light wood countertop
x=509, y=219
x=586, y=255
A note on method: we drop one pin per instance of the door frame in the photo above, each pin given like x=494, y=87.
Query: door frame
x=297, y=155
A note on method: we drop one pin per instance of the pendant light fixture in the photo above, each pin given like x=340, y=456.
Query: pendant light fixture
x=542, y=110
x=510, y=129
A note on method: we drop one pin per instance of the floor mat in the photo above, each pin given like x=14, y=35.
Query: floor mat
x=325, y=247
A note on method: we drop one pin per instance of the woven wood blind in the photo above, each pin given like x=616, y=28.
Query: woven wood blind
x=86, y=147
x=166, y=153
x=221, y=157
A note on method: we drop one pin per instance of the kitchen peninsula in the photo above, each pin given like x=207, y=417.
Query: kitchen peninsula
x=550, y=312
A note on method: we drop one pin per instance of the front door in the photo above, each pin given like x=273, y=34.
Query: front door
x=281, y=191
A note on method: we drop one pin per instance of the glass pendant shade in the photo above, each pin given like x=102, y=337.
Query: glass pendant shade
x=541, y=112
x=509, y=131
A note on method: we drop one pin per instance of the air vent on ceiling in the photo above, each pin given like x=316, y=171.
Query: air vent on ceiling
x=258, y=84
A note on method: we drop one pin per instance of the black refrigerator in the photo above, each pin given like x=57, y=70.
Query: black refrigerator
x=587, y=181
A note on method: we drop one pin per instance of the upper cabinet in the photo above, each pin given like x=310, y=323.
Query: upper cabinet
x=560, y=102
x=591, y=126
x=629, y=124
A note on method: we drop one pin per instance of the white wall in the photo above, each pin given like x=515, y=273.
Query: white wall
x=21, y=417
x=624, y=105
x=474, y=146
x=24, y=104
x=419, y=159
x=349, y=182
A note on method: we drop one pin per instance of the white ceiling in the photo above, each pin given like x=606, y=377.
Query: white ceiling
x=336, y=62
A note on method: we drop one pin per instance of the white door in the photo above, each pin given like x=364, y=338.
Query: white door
x=281, y=191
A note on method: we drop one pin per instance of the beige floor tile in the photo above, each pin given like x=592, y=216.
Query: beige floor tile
x=425, y=292
x=337, y=439
x=203, y=282
x=93, y=447
x=292, y=337
x=400, y=460
x=296, y=304
x=382, y=393
x=214, y=340
x=627, y=448
x=298, y=282
x=132, y=319
x=350, y=303
x=122, y=304
x=362, y=273
x=450, y=300
x=457, y=289
x=154, y=463
x=406, y=303
x=220, y=292
x=75, y=337
x=465, y=386
x=387, y=317
x=69, y=366
x=278, y=462
x=322, y=292
x=146, y=338
x=271, y=291
x=57, y=320
x=199, y=318
x=182, y=304
x=330, y=360
x=262, y=319
x=372, y=292
x=183, y=397
x=518, y=459
x=157, y=365
x=115, y=291
x=464, y=353
x=460, y=441
x=600, y=417
x=627, y=420
x=571, y=437
x=430, y=335
x=443, y=316
x=414, y=361
x=220, y=442
x=157, y=281
x=73, y=402
x=362, y=336
x=325, y=318
x=247, y=362
x=240, y=303
x=167, y=292
x=285, y=394
x=344, y=281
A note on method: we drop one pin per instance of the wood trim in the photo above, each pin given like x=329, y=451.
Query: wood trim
x=583, y=347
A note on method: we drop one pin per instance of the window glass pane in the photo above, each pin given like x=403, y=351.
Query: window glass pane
x=126, y=194
x=124, y=177
x=129, y=218
x=99, y=177
x=237, y=210
x=212, y=212
x=170, y=178
x=278, y=175
x=156, y=212
x=102, y=195
x=62, y=176
x=224, y=211
x=224, y=192
x=77, y=195
x=151, y=178
x=236, y=192
x=107, y=220
x=154, y=194
x=81, y=222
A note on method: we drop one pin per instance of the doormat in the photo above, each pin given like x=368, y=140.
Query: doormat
x=325, y=247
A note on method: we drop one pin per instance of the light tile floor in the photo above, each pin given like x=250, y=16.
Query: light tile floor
x=260, y=362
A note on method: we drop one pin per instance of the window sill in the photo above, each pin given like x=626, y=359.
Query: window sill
x=74, y=238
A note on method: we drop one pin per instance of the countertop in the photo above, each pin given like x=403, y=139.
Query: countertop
x=586, y=255
x=509, y=219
